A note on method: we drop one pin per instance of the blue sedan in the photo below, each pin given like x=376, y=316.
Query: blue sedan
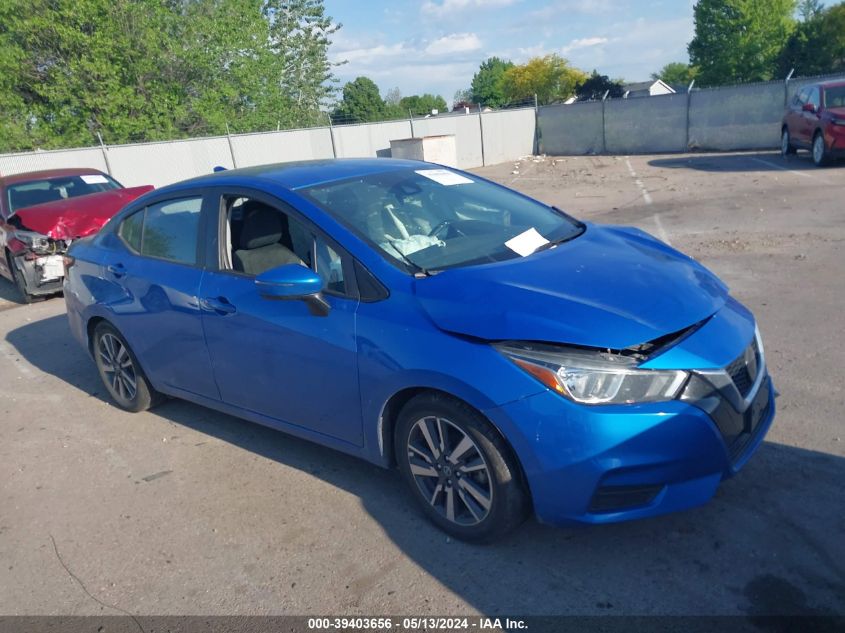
x=504, y=356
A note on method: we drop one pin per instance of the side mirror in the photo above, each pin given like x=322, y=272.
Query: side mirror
x=293, y=282
x=808, y=107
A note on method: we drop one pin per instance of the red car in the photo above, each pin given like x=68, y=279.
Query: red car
x=815, y=120
x=42, y=212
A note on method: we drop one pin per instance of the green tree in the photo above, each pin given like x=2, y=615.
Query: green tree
x=420, y=105
x=300, y=35
x=551, y=78
x=462, y=96
x=808, y=9
x=597, y=85
x=137, y=70
x=739, y=40
x=486, y=87
x=817, y=46
x=676, y=74
x=361, y=102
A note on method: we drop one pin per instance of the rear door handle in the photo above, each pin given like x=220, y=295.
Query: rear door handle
x=118, y=270
x=220, y=305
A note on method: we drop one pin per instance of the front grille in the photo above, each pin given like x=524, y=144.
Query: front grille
x=739, y=373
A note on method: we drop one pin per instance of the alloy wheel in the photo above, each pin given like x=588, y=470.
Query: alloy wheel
x=818, y=149
x=117, y=366
x=450, y=471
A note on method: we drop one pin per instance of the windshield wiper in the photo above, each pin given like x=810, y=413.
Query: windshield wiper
x=417, y=268
x=551, y=244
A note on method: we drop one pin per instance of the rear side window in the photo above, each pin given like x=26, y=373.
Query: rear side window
x=130, y=230
x=167, y=230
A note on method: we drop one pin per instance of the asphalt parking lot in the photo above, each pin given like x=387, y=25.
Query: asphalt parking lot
x=183, y=510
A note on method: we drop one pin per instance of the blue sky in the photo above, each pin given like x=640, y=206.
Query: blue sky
x=436, y=45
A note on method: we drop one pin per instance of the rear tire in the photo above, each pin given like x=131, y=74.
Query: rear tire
x=459, y=469
x=819, y=151
x=120, y=371
x=786, y=146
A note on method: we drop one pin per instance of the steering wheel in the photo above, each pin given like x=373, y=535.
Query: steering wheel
x=437, y=229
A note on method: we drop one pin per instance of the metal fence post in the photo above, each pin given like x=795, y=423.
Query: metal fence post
x=689, y=104
x=481, y=133
x=603, y=124
x=536, y=126
x=786, y=87
x=411, y=121
x=231, y=149
x=331, y=135
x=105, y=154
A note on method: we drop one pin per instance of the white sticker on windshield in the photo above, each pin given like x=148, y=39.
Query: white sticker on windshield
x=527, y=242
x=445, y=177
x=94, y=179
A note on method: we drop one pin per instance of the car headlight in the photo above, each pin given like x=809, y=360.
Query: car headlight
x=593, y=376
x=31, y=239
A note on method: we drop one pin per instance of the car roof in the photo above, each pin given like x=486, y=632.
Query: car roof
x=296, y=175
x=46, y=173
x=837, y=83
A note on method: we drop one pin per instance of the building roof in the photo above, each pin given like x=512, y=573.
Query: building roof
x=645, y=85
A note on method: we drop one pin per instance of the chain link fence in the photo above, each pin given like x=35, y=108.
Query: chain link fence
x=727, y=118
x=481, y=138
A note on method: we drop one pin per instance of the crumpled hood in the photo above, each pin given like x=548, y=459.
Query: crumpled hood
x=77, y=217
x=612, y=287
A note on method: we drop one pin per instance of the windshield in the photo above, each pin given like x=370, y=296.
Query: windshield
x=835, y=97
x=435, y=218
x=28, y=194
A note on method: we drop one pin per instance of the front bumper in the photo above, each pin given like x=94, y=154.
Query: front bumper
x=42, y=274
x=615, y=463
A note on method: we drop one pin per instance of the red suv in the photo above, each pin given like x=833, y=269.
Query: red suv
x=815, y=120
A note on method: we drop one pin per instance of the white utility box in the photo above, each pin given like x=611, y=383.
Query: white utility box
x=433, y=149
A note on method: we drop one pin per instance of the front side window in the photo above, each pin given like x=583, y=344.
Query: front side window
x=814, y=97
x=28, y=194
x=258, y=236
x=330, y=267
x=166, y=230
x=834, y=97
x=432, y=219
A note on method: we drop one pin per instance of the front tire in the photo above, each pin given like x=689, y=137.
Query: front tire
x=459, y=469
x=120, y=372
x=786, y=146
x=819, y=151
x=20, y=282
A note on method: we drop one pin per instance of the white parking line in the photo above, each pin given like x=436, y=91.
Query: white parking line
x=661, y=232
x=791, y=171
x=643, y=190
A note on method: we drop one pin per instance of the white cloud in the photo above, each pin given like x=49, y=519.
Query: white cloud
x=584, y=42
x=454, y=43
x=445, y=8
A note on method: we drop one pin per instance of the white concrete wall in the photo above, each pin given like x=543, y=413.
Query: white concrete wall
x=369, y=139
x=282, y=147
x=56, y=159
x=507, y=135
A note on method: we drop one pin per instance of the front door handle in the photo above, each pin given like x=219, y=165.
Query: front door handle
x=219, y=305
x=118, y=270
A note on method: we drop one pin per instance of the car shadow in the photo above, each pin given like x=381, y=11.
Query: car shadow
x=743, y=162
x=765, y=545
